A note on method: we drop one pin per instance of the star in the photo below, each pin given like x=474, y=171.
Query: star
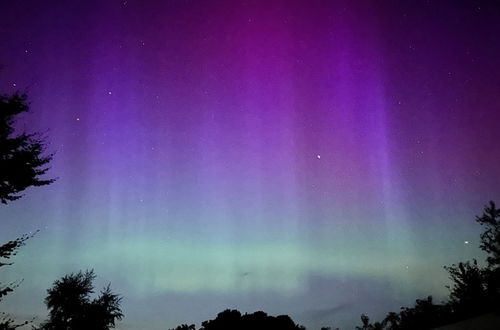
x=109, y=93
x=77, y=118
x=318, y=156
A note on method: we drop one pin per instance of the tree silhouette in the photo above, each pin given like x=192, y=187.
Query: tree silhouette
x=21, y=165
x=71, y=307
x=7, y=251
x=490, y=243
x=185, y=327
x=233, y=319
x=366, y=325
x=490, y=238
x=424, y=315
x=22, y=162
x=474, y=290
x=468, y=292
x=392, y=321
x=9, y=324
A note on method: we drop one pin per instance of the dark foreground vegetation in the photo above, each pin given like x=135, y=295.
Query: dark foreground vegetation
x=474, y=291
x=233, y=319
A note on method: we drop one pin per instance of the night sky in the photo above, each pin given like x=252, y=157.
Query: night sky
x=320, y=159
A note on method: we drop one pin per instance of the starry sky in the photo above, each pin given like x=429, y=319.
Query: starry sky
x=320, y=159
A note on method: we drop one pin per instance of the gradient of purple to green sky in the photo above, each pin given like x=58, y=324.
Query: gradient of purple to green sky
x=321, y=159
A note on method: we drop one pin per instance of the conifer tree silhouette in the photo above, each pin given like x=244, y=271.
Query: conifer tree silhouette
x=22, y=159
x=22, y=164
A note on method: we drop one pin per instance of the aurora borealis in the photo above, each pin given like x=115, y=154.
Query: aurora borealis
x=320, y=159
